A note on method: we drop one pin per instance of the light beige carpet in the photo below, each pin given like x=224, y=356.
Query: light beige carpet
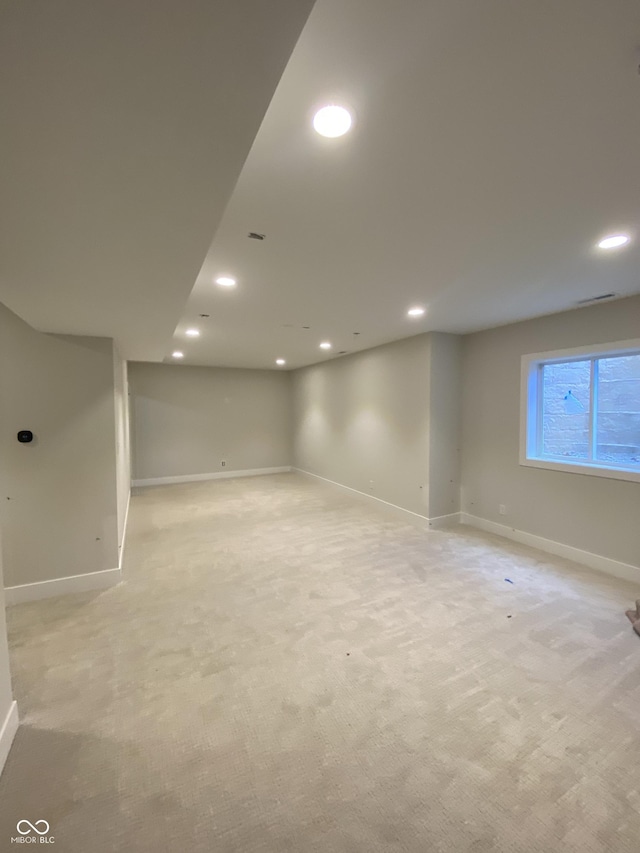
x=288, y=668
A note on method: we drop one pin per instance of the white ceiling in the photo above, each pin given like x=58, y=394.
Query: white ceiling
x=125, y=124
x=494, y=143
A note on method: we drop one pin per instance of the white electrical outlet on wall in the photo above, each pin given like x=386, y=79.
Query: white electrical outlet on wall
x=502, y=509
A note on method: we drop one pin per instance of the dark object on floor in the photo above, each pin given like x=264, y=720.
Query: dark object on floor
x=634, y=617
x=508, y=580
x=509, y=616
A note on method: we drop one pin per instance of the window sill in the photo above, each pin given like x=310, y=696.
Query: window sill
x=583, y=468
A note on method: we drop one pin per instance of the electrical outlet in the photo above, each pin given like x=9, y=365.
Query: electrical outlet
x=502, y=509
x=370, y=485
x=222, y=464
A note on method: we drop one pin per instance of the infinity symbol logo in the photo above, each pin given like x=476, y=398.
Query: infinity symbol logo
x=33, y=827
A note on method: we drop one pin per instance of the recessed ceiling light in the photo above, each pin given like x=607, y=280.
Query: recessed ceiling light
x=192, y=333
x=614, y=241
x=226, y=281
x=280, y=361
x=415, y=312
x=177, y=354
x=325, y=345
x=332, y=121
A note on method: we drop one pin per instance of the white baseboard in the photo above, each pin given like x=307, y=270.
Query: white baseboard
x=124, y=532
x=407, y=514
x=219, y=475
x=61, y=586
x=8, y=732
x=593, y=561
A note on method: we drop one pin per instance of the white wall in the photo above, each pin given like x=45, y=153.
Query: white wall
x=445, y=376
x=363, y=421
x=591, y=513
x=6, y=697
x=58, y=506
x=122, y=436
x=187, y=420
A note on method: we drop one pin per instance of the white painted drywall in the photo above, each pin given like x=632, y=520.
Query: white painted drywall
x=6, y=697
x=188, y=420
x=593, y=514
x=445, y=374
x=58, y=506
x=363, y=421
x=123, y=445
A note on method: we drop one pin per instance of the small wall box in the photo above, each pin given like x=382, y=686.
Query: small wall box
x=25, y=436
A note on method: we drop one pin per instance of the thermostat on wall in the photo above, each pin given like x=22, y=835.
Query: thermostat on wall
x=25, y=436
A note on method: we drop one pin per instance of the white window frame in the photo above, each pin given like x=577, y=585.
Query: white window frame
x=531, y=409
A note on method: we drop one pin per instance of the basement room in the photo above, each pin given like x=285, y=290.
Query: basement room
x=320, y=426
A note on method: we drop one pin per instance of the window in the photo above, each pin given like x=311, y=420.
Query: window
x=581, y=410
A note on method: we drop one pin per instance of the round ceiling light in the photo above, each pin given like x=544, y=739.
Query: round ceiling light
x=226, y=281
x=192, y=333
x=280, y=361
x=177, y=354
x=332, y=121
x=415, y=312
x=325, y=345
x=614, y=241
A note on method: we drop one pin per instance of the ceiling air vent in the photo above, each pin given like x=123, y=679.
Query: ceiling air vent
x=593, y=299
x=253, y=235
